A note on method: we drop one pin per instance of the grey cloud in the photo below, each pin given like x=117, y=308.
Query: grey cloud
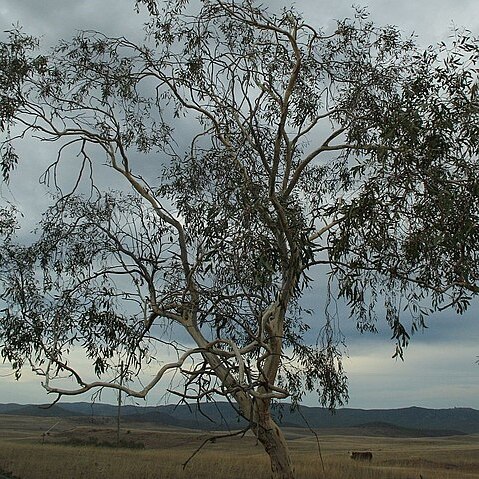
x=56, y=19
x=441, y=359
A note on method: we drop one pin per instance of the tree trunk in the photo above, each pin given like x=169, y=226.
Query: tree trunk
x=258, y=412
x=274, y=443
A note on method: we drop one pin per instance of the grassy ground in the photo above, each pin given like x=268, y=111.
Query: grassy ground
x=23, y=454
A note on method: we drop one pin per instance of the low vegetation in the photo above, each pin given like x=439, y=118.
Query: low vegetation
x=125, y=444
x=26, y=453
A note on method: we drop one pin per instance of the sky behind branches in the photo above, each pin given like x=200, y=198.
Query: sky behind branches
x=440, y=368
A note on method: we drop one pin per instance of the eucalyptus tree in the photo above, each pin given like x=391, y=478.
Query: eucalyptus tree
x=248, y=154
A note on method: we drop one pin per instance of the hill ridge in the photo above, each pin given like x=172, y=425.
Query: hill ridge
x=447, y=420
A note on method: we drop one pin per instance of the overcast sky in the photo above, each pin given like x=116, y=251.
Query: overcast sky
x=440, y=367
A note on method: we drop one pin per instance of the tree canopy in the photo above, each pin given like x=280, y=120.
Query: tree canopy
x=250, y=153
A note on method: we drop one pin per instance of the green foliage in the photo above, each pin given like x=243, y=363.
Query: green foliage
x=350, y=155
x=16, y=66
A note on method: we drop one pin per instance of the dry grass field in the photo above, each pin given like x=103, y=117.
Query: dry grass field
x=27, y=454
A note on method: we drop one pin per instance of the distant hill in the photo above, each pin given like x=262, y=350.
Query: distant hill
x=35, y=410
x=457, y=419
x=384, y=429
x=406, y=422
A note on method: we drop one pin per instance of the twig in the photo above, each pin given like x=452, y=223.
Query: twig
x=317, y=439
x=213, y=440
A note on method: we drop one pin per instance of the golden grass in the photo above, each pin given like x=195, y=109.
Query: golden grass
x=29, y=461
x=233, y=458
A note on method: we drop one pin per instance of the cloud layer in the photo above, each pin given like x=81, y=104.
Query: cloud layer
x=440, y=368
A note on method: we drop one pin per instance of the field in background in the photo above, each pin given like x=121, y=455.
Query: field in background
x=28, y=453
